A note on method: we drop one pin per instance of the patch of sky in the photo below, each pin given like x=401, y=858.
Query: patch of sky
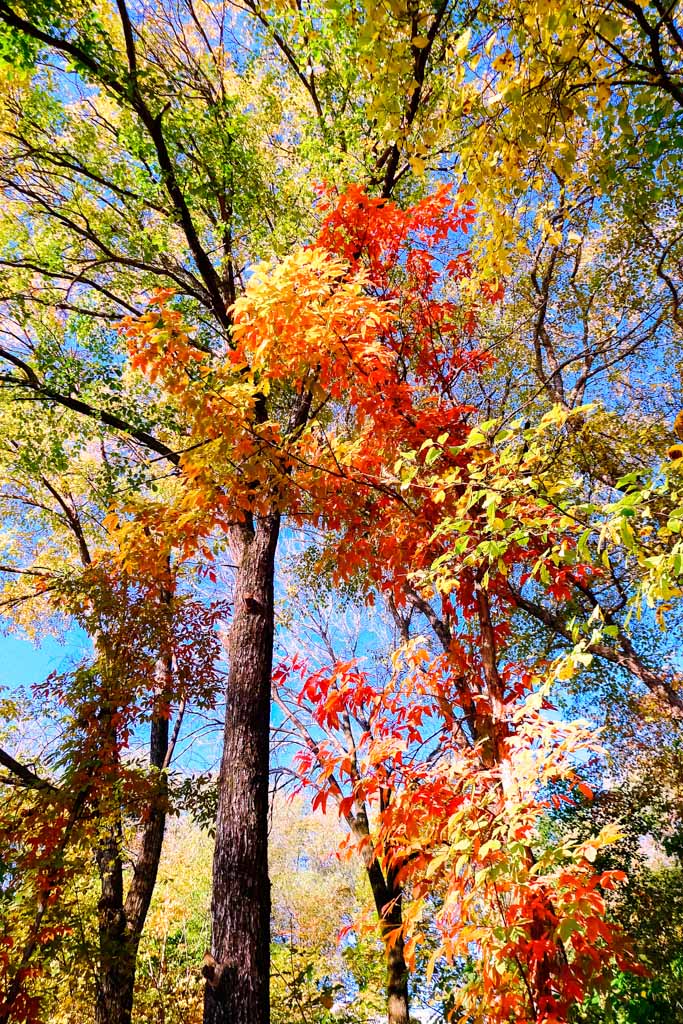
x=24, y=663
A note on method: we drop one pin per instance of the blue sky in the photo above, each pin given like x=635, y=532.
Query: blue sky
x=23, y=662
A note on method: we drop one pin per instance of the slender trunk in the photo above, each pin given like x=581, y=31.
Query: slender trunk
x=388, y=897
x=116, y=976
x=238, y=969
x=387, y=894
x=398, y=1009
x=151, y=841
x=121, y=921
x=544, y=919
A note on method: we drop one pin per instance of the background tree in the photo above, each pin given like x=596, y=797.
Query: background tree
x=152, y=652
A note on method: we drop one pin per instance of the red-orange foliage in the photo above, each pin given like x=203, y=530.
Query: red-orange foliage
x=459, y=830
x=376, y=321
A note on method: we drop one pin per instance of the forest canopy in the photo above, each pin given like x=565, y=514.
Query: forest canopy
x=341, y=459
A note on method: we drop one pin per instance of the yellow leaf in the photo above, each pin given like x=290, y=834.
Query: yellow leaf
x=603, y=93
x=463, y=42
x=505, y=62
x=110, y=521
x=431, y=964
x=461, y=863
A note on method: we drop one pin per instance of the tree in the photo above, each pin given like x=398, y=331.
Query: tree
x=173, y=198
x=643, y=795
x=153, y=651
x=128, y=157
x=361, y=310
x=314, y=625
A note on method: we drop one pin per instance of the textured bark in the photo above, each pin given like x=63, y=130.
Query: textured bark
x=388, y=897
x=121, y=921
x=398, y=1011
x=116, y=978
x=387, y=894
x=238, y=972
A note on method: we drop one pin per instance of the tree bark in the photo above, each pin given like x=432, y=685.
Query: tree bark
x=116, y=974
x=398, y=1008
x=238, y=970
x=388, y=899
x=121, y=921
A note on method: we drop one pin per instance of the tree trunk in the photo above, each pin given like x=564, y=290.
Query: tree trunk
x=121, y=922
x=388, y=899
x=398, y=1008
x=238, y=971
x=387, y=894
x=116, y=974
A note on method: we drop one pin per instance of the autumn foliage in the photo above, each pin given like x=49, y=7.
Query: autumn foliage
x=457, y=759
x=401, y=351
x=356, y=316
x=462, y=835
x=155, y=649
